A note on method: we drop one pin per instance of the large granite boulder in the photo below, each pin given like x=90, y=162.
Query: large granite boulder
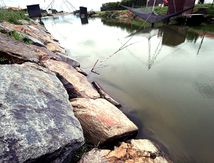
x=36, y=120
x=102, y=122
x=68, y=74
x=137, y=151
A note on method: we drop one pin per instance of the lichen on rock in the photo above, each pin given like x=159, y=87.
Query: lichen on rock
x=36, y=118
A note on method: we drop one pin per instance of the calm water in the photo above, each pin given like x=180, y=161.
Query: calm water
x=165, y=85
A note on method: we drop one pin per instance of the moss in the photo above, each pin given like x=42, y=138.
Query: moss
x=12, y=16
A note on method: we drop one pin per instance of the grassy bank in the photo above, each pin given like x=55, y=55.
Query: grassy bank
x=12, y=16
x=125, y=19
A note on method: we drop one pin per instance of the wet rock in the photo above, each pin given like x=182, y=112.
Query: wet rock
x=144, y=152
x=102, y=122
x=78, y=81
x=36, y=120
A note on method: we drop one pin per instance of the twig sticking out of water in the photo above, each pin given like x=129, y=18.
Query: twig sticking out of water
x=92, y=70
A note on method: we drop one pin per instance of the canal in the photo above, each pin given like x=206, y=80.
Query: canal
x=164, y=78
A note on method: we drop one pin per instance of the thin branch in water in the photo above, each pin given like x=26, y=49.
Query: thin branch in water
x=95, y=64
x=95, y=72
x=92, y=70
x=122, y=47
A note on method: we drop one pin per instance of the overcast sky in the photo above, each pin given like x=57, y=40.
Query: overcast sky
x=59, y=4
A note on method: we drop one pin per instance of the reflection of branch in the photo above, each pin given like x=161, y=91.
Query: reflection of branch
x=134, y=54
x=122, y=47
x=157, y=52
x=130, y=44
x=201, y=43
x=176, y=50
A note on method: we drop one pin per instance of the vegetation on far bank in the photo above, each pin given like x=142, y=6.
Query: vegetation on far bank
x=209, y=8
x=12, y=16
x=126, y=19
x=163, y=10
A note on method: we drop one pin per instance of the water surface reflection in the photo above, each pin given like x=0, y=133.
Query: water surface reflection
x=161, y=81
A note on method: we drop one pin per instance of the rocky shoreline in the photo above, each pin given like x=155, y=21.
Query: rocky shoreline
x=49, y=109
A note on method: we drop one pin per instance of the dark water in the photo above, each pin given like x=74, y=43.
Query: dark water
x=163, y=78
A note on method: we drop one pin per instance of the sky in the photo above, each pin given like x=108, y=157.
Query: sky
x=62, y=4
x=59, y=4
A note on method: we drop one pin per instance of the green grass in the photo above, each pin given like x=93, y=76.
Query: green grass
x=209, y=7
x=12, y=16
x=18, y=36
x=161, y=10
